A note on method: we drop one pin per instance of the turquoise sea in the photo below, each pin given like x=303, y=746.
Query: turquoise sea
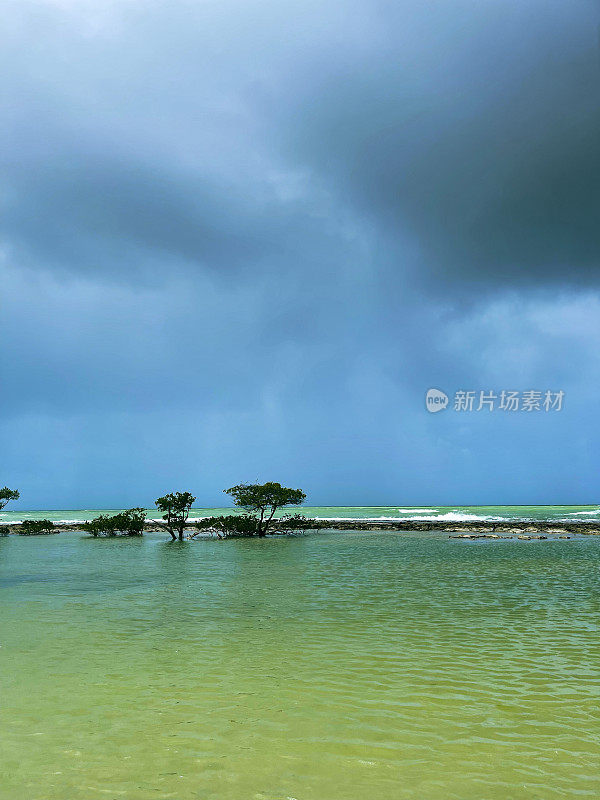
x=324, y=666
x=425, y=513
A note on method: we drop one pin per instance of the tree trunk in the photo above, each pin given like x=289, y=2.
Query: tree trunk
x=268, y=522
x=170, y=526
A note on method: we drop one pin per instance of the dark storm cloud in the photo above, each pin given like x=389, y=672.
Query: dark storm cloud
x=127, y=151
x=97, y=213
x=467, y=132
x=473, y=131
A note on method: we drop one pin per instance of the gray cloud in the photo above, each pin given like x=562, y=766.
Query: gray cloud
x=244, y=239
x=94, y=213
x=469, y=133
x=473, y=131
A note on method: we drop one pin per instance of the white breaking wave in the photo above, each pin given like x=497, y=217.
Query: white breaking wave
x=417, y=511
x=357, y=519
x=455, y=516
x=450, y=516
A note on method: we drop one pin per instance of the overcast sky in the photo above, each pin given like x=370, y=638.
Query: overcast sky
x=240, y=240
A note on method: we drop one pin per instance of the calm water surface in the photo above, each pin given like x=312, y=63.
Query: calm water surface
x=334, y=666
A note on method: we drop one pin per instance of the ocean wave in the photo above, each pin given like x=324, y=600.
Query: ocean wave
x=359, y=519
x=450, y=516
x=455, y=516
x=417, y=510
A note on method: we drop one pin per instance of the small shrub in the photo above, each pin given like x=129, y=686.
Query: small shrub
x=294, y=523
x=126, y=523
x=131, y=522
x=232, y=525
x=34, y=527
x=103, y=525
x=239, y=525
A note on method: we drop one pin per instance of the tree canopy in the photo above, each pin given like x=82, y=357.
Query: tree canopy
x=6, y=495
x=263, y=500
x=176, y=509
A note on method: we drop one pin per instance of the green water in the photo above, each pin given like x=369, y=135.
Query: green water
x=335, y=666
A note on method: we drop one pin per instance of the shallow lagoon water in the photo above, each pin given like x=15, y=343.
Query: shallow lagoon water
x=331, y=666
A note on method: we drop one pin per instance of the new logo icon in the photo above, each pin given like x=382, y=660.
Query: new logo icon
x=435, y=400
